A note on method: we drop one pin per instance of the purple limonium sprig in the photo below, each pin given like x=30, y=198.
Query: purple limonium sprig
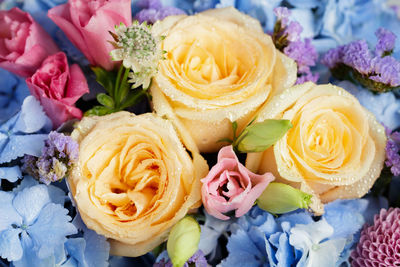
x=286, y=37
x=392, y=152
x=58, y=155
x=386, y=42
x=153, y=10
x=355, y=62
x=198, y=259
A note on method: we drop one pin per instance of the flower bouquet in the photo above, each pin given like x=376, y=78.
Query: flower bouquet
x=199, y=133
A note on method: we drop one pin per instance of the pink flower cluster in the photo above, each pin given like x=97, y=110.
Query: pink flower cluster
x=27, y=50
x=379, y=244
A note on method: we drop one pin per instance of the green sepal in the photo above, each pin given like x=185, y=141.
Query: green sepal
x=183, y=241
x=99, y=111
x=105, y=100
x=258, y=137
x=280, y=198
x=132, y=98
x=106, y=79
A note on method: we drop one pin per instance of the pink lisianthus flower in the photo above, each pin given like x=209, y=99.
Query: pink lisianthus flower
x=24, y=44
x=87, y=24
x=231, y=186
x=57, y=87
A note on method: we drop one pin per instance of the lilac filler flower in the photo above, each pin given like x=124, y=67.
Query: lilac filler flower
x=282, y=14
x=197, y=260
x=386, y=42
x=303, y=53
x=392, y=152
x=379, y=244
x=333, y=57
x=153, y=11
x=386, y=70
x=358, y=56
x=58, y=155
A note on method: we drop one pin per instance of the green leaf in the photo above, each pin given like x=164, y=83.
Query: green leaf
x=280, y=198
x=225, y=140
x=132, y=98
x=99, y=111
x=105, y=78
x=183, y=241
x=105, y=100
x=258, y=137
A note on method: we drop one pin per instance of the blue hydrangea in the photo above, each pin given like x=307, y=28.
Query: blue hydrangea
x=13, y=91
x=33, y=229
x=12, y=174
x=259, y=239
x=24, y=133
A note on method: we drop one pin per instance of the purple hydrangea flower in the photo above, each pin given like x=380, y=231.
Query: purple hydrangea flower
x=153, y=11
x=392, y=152
x=58, y=155
x=358, y=56
x=386, y=70
x=198, y=259
x=282, y=14
x=386, y=42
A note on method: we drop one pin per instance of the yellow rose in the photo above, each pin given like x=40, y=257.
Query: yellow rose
x=336, y=148
x=134, y=179
x=220, y=67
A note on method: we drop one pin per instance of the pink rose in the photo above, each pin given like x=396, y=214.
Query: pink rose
x=231, y=186
x=87, y=22
x=24, y=44
x=58, y=86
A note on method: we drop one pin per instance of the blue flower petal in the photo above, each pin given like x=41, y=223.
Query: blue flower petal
x=19, y=145
x=9, y=215
x=12, y=174
x=50, y=229
x=30, y=201
x=10, y=245
x=97, y=249
x=75, y=248
x=296, y=217
x=31, y=118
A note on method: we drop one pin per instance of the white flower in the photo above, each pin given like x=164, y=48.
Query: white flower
x=309, y=239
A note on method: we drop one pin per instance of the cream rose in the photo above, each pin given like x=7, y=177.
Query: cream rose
x=336, y=148
x=220, y=67
x=134, y=179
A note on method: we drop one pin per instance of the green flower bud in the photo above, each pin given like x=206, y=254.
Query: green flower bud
x=183, y=241
x=280, y=198
x=258, y=137
x=105, y=100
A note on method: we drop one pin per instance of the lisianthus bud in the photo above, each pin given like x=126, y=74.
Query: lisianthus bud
x=183, y=241
x=258, y=137
x=280, y=198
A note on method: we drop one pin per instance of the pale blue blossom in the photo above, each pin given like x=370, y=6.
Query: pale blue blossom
x=24, y=133
x=13, y=91
x=12, y=174
x=32, y=228
x=384, y=106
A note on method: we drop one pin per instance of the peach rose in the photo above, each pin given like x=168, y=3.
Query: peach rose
x=220, y=67
x=134, y=179
x=335, y=149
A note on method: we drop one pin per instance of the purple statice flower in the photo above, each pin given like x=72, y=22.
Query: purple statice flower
x=392, y=151
x=293, y=31
x=58, y=155
x=386, y=70
x=386, y=42
x=307, y=77
x=357, y=55
x=198, y=260
x=333, y=57
x=153, y=11
x=304, y=53
x=282, y=14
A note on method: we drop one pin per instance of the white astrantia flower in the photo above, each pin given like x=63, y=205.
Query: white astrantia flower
x=139, y=51
x=314, y=243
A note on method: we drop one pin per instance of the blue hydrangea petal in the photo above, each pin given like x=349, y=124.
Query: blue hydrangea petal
x=50, y=229
x=75, y=248
x=349, y=211
x=97, y=249
x=26, y=182
x=30, y=201
x=284, y=254
x=31, y=118
x=295, y=217
x=240, y=253
x=12, y=174
x=9, y=215
x=10, y=245
x=29, y=257
x=212, y=229
x=19, y=145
